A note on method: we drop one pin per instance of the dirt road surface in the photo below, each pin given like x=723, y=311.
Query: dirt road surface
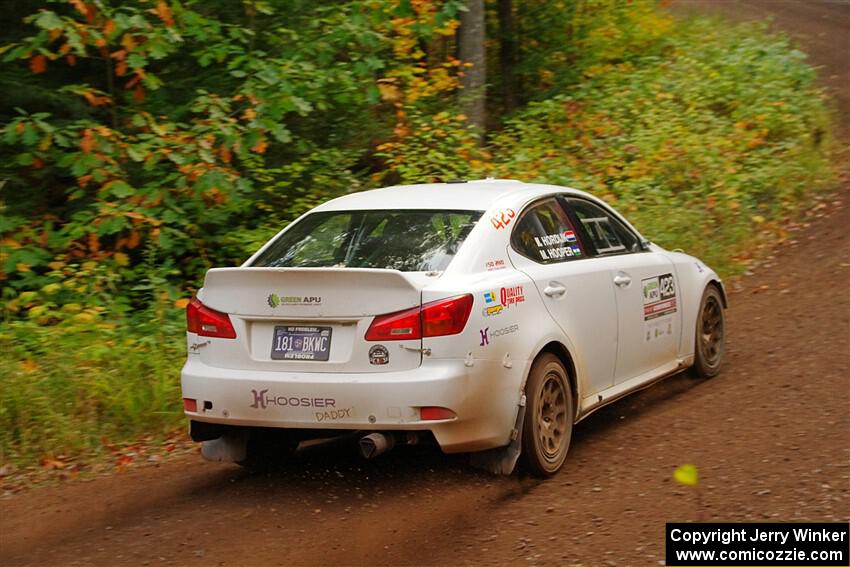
x=770, y=436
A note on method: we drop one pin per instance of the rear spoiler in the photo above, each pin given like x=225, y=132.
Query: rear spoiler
x=310, y=292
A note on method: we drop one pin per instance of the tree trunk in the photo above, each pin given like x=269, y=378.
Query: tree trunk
x=507, y=54
x=473, y=94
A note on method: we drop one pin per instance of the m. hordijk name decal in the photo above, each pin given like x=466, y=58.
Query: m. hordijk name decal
x=262, y=400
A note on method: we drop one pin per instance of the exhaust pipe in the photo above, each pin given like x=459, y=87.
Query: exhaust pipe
x=229, y=448
x=376, y=443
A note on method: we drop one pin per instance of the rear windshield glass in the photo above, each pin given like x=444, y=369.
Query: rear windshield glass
x=404, y=240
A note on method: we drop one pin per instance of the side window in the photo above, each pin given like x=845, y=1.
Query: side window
x=603, y=231
x=544, y=234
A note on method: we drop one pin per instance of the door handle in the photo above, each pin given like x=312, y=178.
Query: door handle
x=622, y=280
x=554, y=289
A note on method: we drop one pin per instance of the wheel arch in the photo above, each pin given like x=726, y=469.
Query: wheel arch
x=563, y=354
x=721, y=289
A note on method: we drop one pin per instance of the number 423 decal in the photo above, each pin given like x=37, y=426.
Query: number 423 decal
x=503, y=219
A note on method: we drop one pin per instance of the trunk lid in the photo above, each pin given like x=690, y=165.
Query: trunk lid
x=276, y=306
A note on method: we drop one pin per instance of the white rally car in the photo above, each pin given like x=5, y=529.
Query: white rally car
x=489, y=316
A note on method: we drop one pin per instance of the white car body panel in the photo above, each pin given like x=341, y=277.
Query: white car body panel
x=587, y=302
x=479, y=373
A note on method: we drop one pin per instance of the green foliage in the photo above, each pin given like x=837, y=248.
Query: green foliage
x=727, y=130
x=437, y=147
x=563, y=41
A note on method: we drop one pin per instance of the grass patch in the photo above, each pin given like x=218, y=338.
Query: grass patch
x=75, y=390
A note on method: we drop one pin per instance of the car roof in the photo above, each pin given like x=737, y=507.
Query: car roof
x=476, y=195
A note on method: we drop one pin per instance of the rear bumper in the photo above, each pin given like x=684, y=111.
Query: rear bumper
x=482, y=397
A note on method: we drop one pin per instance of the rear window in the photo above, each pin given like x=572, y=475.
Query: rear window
x=404, y=240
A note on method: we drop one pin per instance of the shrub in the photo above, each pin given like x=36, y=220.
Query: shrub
x=698, y=148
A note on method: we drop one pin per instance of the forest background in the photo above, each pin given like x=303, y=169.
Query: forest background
x=144, y=142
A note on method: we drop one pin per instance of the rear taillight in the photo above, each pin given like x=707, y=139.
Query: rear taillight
x=435, y=319
x=446, y=316
x=397, y=326
x=208, y=322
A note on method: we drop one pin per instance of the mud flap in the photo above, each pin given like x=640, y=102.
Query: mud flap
x=229, y=448
x=502, y=460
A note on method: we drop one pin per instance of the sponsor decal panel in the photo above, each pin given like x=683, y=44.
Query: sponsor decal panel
x=262, y=399
x=659, y=305
x=274, y=300
x=506, y=298
x=486, y=334
x=379, y=355
x=512, y=295
x=491, y=304
x=503, y=218
x=495, y=265
x=490, y=311
x=655, y=329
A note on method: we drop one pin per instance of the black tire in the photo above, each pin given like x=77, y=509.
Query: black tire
x=710, y=334
x=267, y=449
x=549, y=415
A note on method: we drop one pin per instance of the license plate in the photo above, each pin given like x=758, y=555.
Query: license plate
x=296, y=342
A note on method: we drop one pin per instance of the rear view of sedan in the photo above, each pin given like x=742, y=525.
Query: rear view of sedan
x=487, y=316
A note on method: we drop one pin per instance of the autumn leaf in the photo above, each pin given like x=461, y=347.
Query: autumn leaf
x=687, y=475
x=38, y=64
x=181, y=303
x=52, y=464
x=139, y=94
x=389, y=93
x=128, y=42
x=95, y=100
x=123, y=462
x=260, y=146
x=80, y=6
x=28, y=366
x=164, y=12
x=87, y=142
x=133, y=240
